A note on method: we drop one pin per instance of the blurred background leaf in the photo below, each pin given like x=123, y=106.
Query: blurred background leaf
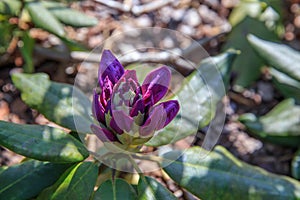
x=69, y=16
x=281, y=125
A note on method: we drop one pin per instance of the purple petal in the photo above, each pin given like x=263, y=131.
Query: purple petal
x=109, y=67
x=106, y=93
x=97, y=108
x=122, y=120
x=155, y=85
x=113, y=125
x=137, y=107
x=103, y=134
x=171, y=107
x=154, y=121
x=160, y=116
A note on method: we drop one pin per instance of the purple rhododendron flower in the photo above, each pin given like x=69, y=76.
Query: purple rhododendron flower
x=125, y=106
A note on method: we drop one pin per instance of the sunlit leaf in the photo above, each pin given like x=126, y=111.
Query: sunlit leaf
x=61, y=103
x=281, y=125
x=151, y=189
x=41, y=142
x=219, y=175
x=69, y=16
x=43, y=18
x=76, y=183
x=279, y=56
x=10, y=7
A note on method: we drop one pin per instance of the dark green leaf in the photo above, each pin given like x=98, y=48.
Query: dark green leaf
x=287, y=86
x=70, y=16
x=198, y=99
x=281, y=125
x=117, y=190
x=279, y=56
x=60, y=103
x=27, y=52
x=76, y=183
x=6, y=30
x=247, y=64
x=41, y=142
x=73, y=45
x=28, y=179
x=219, y=175
x=296, y=165
x=42, y=18
x=10, y=7
x=152, y=190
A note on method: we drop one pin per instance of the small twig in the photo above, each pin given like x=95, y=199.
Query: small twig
x=159, y=57
x=154, y=5
x=135, y=9
x=137, y=168
x=156, y=159
x=115, y=5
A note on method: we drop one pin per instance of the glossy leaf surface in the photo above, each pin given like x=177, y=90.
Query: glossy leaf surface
x=60, y=103
x=41, y=142
x=219, y=175
x=28, y=179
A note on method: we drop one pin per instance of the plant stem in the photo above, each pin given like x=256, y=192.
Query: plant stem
x=148, y=157
x=137, y=168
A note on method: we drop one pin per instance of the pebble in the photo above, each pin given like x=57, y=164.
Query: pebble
x=177, y=14
x=186, y=29
x=207, y=15
x=143, y=21
x=192, y=18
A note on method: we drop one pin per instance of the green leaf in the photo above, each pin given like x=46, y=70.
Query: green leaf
x=76, y=183
x=27, y=52
x=6, y=30
x=43, y=18
x=41, y=142
x=28, y=179
x=61, y=103
x=281, y=125
x=10, y=7
x=73, y=45
x=70, y=16
x=152, y=190
x=247, y=65
x=279, y=56
x=198, y=99
x=117, y=190
x=219, y=175
x=287, y=86
x=296, y=165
